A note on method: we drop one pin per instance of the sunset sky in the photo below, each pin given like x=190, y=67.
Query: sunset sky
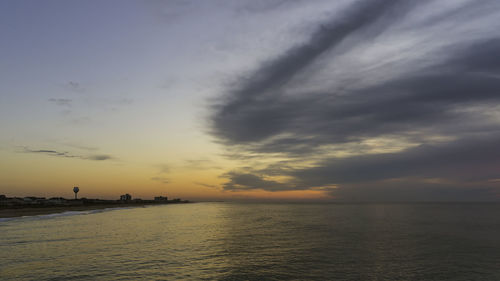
x=251, y=99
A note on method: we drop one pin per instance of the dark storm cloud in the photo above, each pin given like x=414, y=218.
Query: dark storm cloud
x=407, y=103
x=446, y=87
x=65, y=154
x=465, y=160
x=256, y=104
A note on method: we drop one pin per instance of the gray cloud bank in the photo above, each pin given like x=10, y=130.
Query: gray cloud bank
x=424, y=73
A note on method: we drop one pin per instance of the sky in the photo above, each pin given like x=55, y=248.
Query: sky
x=349, y=100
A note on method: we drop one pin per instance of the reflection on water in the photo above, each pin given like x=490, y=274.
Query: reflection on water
x=229, y=241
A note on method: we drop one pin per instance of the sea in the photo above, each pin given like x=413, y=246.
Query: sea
x=257, y=241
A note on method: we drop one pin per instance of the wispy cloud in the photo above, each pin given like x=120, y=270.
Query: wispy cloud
x=100, y=157
x=201, y=164
x=65, y=154
x=80, y=146
x=51, y=153
x=163, y=168
x=74, y=86
x=61, y=101
x=205, y=185
x=163, y=180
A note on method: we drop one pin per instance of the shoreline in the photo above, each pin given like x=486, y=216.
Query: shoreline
x=35, y=211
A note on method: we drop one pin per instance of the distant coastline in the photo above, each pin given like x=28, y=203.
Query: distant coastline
x=31, y=206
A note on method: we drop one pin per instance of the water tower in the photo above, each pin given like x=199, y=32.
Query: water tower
x=75, y=190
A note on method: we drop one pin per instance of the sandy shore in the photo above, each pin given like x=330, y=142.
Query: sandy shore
x=19, y=212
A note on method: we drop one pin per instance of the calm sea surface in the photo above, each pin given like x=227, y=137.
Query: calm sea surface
x=237, y=241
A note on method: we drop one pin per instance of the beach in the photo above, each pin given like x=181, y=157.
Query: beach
x=45, y=210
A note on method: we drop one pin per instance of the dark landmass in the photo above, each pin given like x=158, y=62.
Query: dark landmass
x=31, y=206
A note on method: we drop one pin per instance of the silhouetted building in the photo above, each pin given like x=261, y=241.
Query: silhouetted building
x=34, y=200
x=125, y=197
x=3, y=197
x=57, y=200
x=161, y=198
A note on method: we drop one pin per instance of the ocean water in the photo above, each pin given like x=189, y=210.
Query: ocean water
x=243, y=241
